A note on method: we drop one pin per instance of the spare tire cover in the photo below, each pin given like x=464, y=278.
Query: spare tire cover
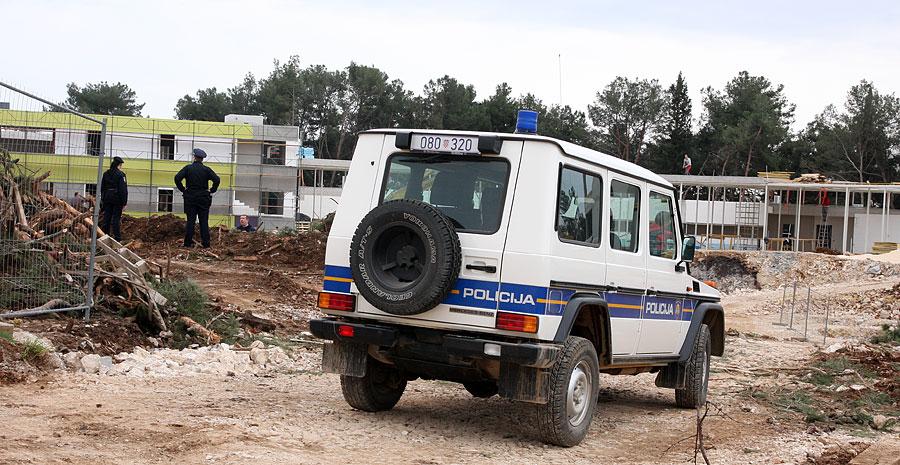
x=405, y=257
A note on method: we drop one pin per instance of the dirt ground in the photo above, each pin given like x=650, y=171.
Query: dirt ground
x=297, y=415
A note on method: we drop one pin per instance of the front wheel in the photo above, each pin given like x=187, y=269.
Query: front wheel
x=380, y=389
x=696, y=382
x=574, y=384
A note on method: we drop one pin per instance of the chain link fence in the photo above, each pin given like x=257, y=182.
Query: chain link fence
x=47, y=241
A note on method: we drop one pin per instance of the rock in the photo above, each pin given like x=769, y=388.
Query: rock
x=879, y=421
x=90, y=363
x=73, y=360
x=258, y=356
x=835, y=347
x=882, y=452
x=54, y=361
x=841, y=388
x=874, y=269
x=166, y=334
x=153, y=341
x=857, y=387
x=105, y=364
x=6, y=327
x=257, y=344
x=86, y=345
x=24, y=337
x=276, y=356
x=140, y=352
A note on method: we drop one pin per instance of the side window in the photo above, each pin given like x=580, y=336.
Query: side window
x=579, y=206
x=663, y=241
x=624, y=213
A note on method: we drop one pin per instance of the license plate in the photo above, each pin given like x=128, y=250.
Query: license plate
x=444, y=143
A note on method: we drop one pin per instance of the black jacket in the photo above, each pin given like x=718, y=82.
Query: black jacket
x=197, y=177
x=114, y=188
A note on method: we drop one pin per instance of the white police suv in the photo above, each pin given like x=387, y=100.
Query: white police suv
x=514, y=264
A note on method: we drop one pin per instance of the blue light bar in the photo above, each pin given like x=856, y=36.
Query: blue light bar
x=526, y=123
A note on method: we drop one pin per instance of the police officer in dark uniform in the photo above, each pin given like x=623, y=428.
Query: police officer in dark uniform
x=113, y=198
x=197, y=196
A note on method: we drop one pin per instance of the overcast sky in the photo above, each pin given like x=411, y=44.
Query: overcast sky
x=165, y=49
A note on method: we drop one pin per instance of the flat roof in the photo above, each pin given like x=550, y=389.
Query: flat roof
x=774, y=183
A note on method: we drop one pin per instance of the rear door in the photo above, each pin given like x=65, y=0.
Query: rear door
x=661, y=328
x=475, y=192
x=626, y=272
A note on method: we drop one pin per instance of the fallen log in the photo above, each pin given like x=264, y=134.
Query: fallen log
x=200, y=331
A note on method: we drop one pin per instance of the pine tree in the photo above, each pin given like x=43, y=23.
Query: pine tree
x=678, y=137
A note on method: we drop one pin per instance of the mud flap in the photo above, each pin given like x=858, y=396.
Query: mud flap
x=344, y=358
x=523, y=383
x=672, y=376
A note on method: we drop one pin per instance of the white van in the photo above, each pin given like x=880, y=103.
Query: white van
x=515, y=264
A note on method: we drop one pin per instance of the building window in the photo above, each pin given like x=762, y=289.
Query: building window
x=308, y=178
x=271, y=203
x=167, y=147
x=90, y=189
x=624, y=211
x=94, y=145
x=27, y=140
x=273, y=153
x=578, y=212
x=333, y=178
x=165, y=198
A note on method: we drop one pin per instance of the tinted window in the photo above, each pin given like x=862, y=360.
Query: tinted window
x=624, y=213
x=579, y=206
x=663, y=242
x=469, y=190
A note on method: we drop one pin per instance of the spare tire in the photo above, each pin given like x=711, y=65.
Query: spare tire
x=405, y=257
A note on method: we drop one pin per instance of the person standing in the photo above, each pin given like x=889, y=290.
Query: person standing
x=113, y=198
x=686, y=164
x=197, y=196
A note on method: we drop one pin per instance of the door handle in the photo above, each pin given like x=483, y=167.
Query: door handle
x=485, y=268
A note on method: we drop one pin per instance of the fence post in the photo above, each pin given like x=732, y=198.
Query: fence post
x=92, y=262
x=806, y=323
x=827, y=315
x=793, y=304
x=783, y=301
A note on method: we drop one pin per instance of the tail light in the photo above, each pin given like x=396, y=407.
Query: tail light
x=341, y=302
x=517, y=322
x=345, y=331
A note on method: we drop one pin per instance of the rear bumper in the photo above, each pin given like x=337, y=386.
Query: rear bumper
x=417, y=340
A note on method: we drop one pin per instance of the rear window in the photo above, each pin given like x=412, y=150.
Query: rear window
x=469, y=190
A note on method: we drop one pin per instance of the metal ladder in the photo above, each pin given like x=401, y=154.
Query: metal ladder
x=747, y=216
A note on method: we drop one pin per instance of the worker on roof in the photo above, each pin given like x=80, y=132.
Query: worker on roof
x=197, y=196
x=113, y=198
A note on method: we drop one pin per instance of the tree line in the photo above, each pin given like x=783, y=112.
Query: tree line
x=744, y=127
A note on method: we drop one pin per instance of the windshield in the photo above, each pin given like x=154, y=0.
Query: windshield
x=469, y=190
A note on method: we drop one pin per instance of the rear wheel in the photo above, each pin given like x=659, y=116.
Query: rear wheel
x=574, y=383
x=380, y=389
x=696, y=382
x=482, y=389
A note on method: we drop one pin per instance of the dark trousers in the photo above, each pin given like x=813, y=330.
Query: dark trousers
x=196, y=212
x=112, y=220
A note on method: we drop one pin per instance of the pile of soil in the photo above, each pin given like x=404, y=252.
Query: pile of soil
x=160, y=228
x=302, y=252
x=107, y=333
x=730, y=271
x=12, y=368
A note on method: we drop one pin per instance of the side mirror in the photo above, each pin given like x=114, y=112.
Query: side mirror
x=690, y=245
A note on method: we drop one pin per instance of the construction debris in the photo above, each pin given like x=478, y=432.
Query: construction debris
x=44, y=232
